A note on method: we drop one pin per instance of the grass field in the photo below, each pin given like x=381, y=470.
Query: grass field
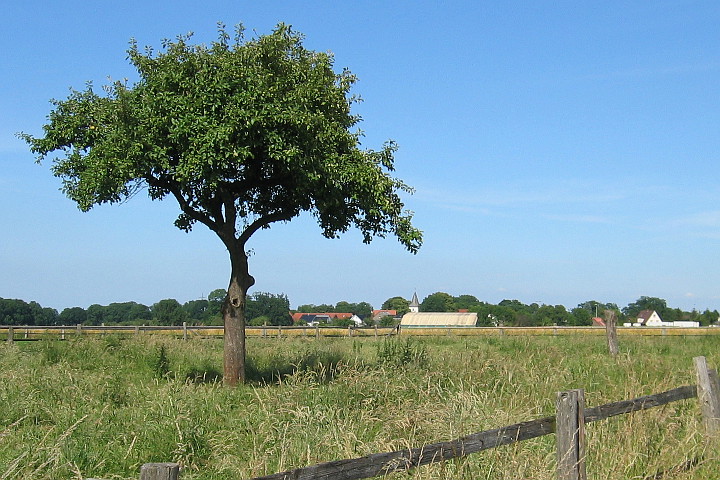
x=102, y=407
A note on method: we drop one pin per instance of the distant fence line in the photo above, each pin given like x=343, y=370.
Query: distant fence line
x=15, y=332
x=568, y=425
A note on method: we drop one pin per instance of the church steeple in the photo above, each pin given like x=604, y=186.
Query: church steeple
x=414, y=304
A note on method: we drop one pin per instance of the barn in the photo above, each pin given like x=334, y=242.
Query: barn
x=438, y=320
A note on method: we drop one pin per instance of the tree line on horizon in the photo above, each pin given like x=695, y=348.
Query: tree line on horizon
x=274, y=309
x=518, y=314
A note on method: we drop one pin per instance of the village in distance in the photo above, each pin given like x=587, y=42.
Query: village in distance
x=438, y=309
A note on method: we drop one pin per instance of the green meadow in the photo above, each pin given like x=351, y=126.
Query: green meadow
x=101, y=407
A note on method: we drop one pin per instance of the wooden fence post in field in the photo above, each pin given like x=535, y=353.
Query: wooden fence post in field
x=708, y=392
x=317, y=331
x=79, y=328
x=160, y=471
x=611, y=331
x=10, y=334
x=570, y=435
x=185, y=331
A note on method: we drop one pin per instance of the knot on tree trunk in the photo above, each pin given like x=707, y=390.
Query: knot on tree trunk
x=238, y=290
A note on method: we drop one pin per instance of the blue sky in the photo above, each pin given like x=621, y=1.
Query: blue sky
x=561, y=152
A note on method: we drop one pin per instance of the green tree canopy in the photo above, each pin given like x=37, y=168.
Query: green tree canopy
x=438, y=302
x=242, y=133
x=197, y=310
x=580, y=317
x=19, y=312
x=397, y=303
x=466, y=301
x=168, y=312
x=645, y=303
x=312, y=308
x=275, y=308
x=73, y=316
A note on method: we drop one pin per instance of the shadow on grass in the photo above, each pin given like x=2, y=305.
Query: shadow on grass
x=323, y=366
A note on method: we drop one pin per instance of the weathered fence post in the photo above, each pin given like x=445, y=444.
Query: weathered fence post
x=10, y=334
x=78, y=328
x=611, y=331
x=317, y=331
x=708, y=392
x=185, y=331
x=160, y=471
x=570, y=433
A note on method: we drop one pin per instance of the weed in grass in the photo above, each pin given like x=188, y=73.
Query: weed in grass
x=52, y=351
x=161, y=363
x=402, y=352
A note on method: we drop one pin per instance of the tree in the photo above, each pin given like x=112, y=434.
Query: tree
x=344, y=307
x=196, y=310
x=311, y=308
x=494, y=315
x=95, y=314
x=466, y=302
x=551, y=315
x=168, y=312
x=363, y=310
x=399, y=304
x=242, y=134
x=73, y=316
x=438, y=302
x=139, y=313
x=580, y=317
x=216, y=298
x=16, y=312
x=645, y=303
x=275, y=308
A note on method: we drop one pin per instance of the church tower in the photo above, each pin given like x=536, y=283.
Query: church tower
x=414, y=304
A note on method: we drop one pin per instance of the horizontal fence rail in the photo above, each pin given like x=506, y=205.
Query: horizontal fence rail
x=202, y=331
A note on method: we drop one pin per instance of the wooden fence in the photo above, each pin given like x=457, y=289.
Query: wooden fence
x=568, y=425
x=194, y=331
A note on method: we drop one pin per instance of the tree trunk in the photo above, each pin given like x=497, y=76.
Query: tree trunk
x=234, y=317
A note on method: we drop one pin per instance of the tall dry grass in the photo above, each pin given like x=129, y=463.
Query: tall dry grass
x=102, y=407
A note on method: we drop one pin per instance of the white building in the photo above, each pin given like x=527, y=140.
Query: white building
x=650, y=318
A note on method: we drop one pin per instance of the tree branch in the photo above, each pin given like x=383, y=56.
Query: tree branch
x=174, y=188
x=261, y=222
